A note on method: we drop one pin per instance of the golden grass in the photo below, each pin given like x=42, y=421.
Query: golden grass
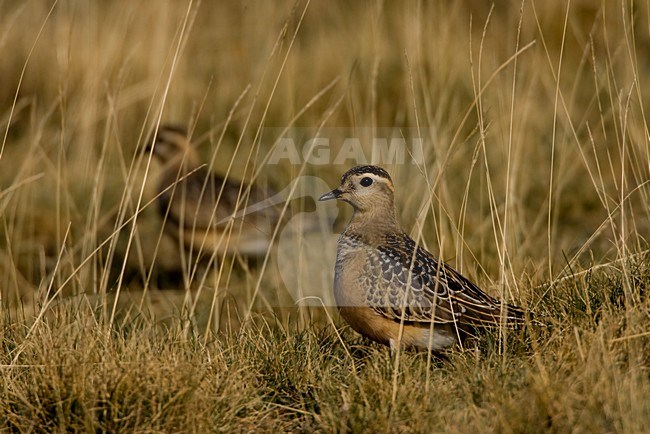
x=534, y=183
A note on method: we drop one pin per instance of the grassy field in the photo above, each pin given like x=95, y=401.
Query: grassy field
x=533, y=182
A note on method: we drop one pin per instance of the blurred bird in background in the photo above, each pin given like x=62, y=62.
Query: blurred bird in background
x=207, y=213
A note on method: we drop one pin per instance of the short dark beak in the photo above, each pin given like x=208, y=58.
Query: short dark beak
x=334, y=194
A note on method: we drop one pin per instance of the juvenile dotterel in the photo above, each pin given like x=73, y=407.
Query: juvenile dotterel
x=206, y=212
x=383, y=281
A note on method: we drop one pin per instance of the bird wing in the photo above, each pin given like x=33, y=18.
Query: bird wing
x=190, y=199
x=203, y=200
x=414, y=286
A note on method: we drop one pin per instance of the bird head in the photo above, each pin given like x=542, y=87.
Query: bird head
x=366, y=188
x=170, y=143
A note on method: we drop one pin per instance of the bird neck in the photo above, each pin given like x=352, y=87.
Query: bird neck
x=183, y=162
x=374, y=223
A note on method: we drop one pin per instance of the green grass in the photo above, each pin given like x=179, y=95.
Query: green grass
x=534, y=183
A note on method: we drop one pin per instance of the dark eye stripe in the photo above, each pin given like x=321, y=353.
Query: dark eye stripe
x=366, y=182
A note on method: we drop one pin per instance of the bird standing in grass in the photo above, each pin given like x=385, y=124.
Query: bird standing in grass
x=393, y=291
x=207, y=213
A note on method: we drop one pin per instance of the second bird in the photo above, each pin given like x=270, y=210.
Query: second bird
x=205, y=212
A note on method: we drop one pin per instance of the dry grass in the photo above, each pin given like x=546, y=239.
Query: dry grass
x=534, y=183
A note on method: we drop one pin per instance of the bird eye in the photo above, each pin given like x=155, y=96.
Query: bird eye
x=366, y=182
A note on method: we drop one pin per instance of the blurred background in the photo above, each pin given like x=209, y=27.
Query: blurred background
x=535, y=160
